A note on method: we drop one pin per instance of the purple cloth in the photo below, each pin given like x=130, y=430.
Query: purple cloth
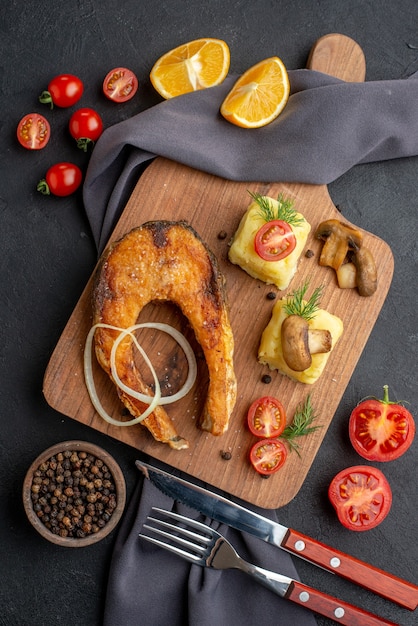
x=327, y=127
x=149, y=586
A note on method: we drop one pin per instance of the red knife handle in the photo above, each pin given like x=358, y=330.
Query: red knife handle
x=384, y=584
x=340, y=612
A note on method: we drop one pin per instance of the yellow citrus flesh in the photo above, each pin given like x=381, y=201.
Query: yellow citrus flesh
x=192, y=66
x=258, y=96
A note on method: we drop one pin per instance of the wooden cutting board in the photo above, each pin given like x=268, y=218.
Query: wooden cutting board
x=170, y=191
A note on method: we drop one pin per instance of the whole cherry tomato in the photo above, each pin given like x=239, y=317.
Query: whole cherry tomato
x=120, y=85
x=361, y=496
x=267, y=456
x=85, y=126
x=266, y=417
x=381, y=430
x=275, y=240
x=62, y=179
x=63, y=91
x=33, y=131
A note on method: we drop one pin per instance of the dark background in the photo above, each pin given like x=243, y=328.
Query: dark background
x=47, y=254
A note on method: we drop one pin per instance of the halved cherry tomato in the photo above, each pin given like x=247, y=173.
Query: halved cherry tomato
x=381, y=430
x=33, y=131
x=120, y=84
x=63, y=91
x=267, y=456
x=62, y=179
x=361, y=496
x=85, y=126
x=275, y=240
x=266, y=417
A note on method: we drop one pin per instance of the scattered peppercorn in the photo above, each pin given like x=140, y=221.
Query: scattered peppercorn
x=266, y=379
x=73, y=494
x=309, y=254
x=222, y=234
x=227, y=456
x=271, y=295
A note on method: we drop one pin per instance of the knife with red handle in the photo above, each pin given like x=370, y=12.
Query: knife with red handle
x=223, y=510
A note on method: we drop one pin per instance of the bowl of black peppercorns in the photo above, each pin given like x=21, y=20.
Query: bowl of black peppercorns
x=74, y=493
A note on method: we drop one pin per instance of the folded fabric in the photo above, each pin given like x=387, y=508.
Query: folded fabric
x=327, y=127
x=149, y=586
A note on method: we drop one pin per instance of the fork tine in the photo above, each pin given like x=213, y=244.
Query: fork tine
x=186, y=520
x=175, y=537
x=193, y=558
x=179, y=529
x=197, y=545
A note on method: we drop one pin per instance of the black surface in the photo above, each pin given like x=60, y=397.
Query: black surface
x=47, y=255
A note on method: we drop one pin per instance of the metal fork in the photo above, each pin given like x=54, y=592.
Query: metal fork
x=204, y=546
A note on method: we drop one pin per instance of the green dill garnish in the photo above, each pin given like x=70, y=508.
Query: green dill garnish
x=283, y=211
x=295, y=304
x=301, y=424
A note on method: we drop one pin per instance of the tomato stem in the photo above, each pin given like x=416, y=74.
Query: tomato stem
x=84, y=142
x=46, y=98
x=42, y=187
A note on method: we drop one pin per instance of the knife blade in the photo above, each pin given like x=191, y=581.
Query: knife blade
x=223, y=510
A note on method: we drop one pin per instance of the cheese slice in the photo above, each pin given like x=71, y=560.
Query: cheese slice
x=242, y=251
x=270, y=351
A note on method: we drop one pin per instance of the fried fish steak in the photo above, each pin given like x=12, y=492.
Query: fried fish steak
x=166, y=261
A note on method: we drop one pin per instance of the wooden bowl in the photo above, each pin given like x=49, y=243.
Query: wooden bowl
x=117, y=480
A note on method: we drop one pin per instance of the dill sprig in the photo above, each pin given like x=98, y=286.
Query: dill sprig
x=283, y=211
x=296, y=305
x=301, y=424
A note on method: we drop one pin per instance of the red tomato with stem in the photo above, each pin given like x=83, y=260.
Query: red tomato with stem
x=63, y=91
x=275, y=240
x=266, y=417
x=85, y=126
x=381, y=430
x=33, y=131
x=62, y=179
x=120, y=85
x=361, y=497
x=267, y=456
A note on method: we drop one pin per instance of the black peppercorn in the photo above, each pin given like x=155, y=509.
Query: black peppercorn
x=73, y=494
x=271, y=295
x=266, y=379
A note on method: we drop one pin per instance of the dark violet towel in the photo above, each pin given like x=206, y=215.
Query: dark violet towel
x=327, y=127
x=151, y=587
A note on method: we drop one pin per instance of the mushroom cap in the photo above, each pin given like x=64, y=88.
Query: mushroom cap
x=295, y=343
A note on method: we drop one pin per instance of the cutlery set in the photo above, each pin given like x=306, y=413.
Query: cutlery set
x=200, y=544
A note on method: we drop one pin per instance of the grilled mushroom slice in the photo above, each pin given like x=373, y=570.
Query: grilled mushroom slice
x=339, y=238
x=366, y=274
x=300, y=342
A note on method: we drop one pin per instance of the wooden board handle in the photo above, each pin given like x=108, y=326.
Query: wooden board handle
x=384, y=584
x=339, y=56
x=340, y=612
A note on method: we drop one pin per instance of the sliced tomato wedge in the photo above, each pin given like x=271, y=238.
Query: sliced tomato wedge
x=361, y=496
x=33, y=131
x=267, y=456
x=380, y=430
x=275, y=240
x=266, y=417
x=120, y=84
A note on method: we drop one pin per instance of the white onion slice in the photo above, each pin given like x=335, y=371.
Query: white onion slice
x=153, y=401
x=183, y=343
